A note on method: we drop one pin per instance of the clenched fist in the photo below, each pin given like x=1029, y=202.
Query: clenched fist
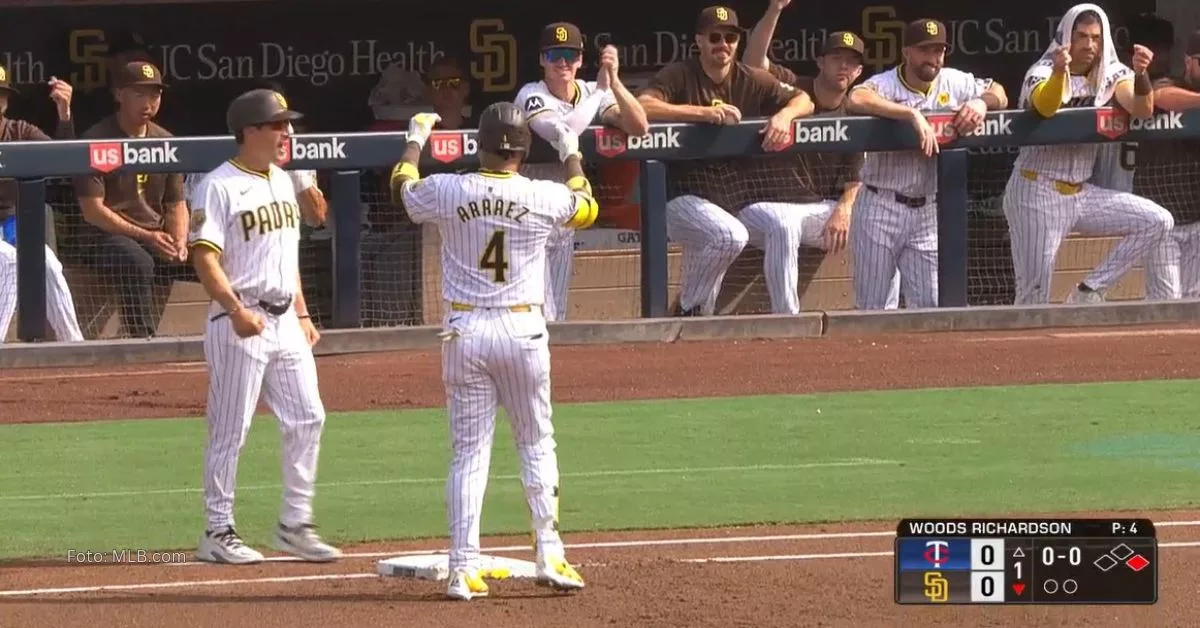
x=1062, y=58
x=1142, y=57
x=60, y=93
x=609, y=65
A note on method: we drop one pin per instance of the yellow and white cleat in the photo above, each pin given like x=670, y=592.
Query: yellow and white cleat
x=466, y=584
x=557, y=573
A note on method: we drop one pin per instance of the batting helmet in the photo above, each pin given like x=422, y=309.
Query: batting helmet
x=502, y=127
x=258, y=106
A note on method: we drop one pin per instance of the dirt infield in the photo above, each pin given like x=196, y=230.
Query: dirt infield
x=821, y=575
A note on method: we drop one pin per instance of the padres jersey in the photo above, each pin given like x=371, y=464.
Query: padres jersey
x=494, y=228
x=253, y=219
x=536, y=99
x=1115, y=164
x=910, y=172
x=1074, y=163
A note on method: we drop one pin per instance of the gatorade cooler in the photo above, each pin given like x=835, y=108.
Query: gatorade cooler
x=619, y=195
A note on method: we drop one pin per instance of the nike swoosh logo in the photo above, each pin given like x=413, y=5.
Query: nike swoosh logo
x=246, y=191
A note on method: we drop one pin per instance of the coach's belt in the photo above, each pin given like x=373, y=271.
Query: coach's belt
x=463, y=307
x=1066, y=188
x=274, y=309
x=910, y=201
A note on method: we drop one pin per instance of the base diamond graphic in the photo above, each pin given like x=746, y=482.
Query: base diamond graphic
x=1137, y=563
x=1105, y=562
x=1122, y=551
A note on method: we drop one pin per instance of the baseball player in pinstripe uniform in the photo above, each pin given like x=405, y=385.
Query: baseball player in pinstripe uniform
x=714, y=88
x=1047, y=194
x=494, y=226
x=244, y=238
x=894, y=222
x=561, y=98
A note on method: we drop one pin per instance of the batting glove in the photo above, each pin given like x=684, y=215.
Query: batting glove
x=566, y=142
x=421, y=126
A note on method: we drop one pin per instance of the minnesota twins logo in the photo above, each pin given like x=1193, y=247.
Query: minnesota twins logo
x=938, y=553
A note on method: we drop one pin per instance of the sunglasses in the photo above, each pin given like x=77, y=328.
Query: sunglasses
x=728, y=37
x=554, y=55
x=281, y=125
x=449, y=83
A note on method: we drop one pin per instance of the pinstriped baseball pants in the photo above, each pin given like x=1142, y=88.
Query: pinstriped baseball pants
x=886, y=236
x=60, y=307
x=1039, y=217
x=496, y=358
x=278, y=364
x=560, y=263
x=1173, y=267
x=712, y=239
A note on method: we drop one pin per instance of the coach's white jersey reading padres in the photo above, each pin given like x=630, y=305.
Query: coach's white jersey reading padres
x=494, y=228
x=253, y=219
x=910, y=172
x=535, y=99
x=1064, y=162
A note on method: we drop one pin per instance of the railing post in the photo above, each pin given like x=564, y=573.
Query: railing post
x=653, y=184
x=31, y=260
x=345, y=208
x=952, y=228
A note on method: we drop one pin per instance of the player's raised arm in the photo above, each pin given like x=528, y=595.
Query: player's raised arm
x=865, y=99
x=1137, y=96
x=418, y=198
x=581, y=210
x=1049, y=93
x=759, y=43
x=620, y=108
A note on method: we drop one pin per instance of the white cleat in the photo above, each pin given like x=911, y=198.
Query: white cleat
x=557, y=573
x=226, y=547
x=1079, y=296
x=303, y=543
x=466, y=584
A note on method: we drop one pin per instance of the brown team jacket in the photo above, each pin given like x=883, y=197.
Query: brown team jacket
x=139, y=198
x=22, y=131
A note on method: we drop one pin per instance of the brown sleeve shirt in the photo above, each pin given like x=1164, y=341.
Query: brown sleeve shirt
x=139, y=198
x=755, y=92
x=22, y=131
x=829, y=172
x=1167, y=171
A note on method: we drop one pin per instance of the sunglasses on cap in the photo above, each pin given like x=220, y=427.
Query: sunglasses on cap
x=451, y=83
x=729, y=37
x=561, y=54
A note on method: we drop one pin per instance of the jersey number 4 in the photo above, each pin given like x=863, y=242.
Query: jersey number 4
x=495, y=257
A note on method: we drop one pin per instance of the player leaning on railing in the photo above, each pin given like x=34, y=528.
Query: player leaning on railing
x=1047, y=197
x=494, y=226
x=894, y=224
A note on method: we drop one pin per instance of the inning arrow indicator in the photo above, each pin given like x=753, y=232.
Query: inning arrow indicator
x=1018, y=588
x=1018, y=553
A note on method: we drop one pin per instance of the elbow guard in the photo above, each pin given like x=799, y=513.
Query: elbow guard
x=586, y=210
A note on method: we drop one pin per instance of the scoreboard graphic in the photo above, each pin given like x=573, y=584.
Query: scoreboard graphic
x=1026, y=561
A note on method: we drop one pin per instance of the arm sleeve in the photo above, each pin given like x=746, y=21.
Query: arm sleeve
x=578, y=120
x=1046, y=96
x=92, y=186
x=174, y=189
x=783, y=74
x=608, y=102
x=26, y=132
x=421, y=198
x=210, y=211
x=775, y=94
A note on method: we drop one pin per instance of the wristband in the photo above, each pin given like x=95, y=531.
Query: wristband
x=1142, y=85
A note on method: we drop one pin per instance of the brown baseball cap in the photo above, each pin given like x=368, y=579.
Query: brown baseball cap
x=717, y=17
x=843, y=40
x=562, y=35
x=6, y=81
x=925, y=31
x=138, y=73
x=1193, y=44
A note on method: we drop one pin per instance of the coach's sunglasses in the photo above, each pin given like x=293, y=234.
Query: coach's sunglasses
x=729, y=37
x=555, y=55
x=447, y=83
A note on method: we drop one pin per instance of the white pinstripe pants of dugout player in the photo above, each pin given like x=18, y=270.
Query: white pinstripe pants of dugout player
x=1041, y=213
x=886, y=236
x=279, y=364
x=494, y=357
x=1173, y=267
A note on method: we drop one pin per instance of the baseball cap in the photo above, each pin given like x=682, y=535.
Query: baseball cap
x=843, y=40
x=716, y=17
x=258, y=106
x=925, y=31
x=561, y=35
x=138, y=73
x=6, y=82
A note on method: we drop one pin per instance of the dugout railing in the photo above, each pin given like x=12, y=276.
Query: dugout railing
x=348, y=157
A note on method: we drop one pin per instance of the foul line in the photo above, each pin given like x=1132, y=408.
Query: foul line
x=848, y=462
x=356, y=576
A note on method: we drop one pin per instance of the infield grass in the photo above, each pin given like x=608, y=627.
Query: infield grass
x=699, y=462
